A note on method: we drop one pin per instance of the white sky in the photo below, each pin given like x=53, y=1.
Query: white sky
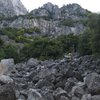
x=92, y=5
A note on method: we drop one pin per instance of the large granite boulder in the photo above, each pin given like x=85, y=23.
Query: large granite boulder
x=6, y=66
x=93, y=83
x=7, y=92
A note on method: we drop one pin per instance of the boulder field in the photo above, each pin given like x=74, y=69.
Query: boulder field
x=77, y=78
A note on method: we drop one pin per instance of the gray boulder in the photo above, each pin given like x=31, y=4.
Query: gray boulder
x=75, y=98
x=59, y=92
x=5, y=79
x=63, y=98
x=95, y=97
x=43, y=83
x=78, y=90
x=86, y=96
x=34, y=95
x=32, y=62
x=48, y=96
x=7, y=92
x=6, y=66
x=89, y=97
x=93, y=83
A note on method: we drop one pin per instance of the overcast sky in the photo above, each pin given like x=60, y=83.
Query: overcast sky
x=92, y=5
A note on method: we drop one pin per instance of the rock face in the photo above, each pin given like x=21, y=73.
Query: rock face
x=50, y=19
x=9, y=8
x=73, y=11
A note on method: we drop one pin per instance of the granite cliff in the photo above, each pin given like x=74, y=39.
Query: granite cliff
x=9, y=8
x=49, y=18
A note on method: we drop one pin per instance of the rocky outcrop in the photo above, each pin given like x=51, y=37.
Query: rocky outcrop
x=51, y=20
x=73, y=11
x=9, y=8
x=46, y=27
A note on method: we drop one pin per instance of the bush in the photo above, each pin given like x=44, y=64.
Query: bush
x=69, y=42
x=11, y=52
x=43, y=48
x=84, y=46
x=2, y=54
x=68, y=22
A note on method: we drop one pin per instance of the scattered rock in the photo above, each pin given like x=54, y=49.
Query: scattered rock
x=51, y=80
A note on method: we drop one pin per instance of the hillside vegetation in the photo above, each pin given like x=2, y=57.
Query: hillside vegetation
x=44, y=47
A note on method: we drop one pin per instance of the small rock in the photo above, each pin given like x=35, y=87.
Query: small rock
x=63, y=98
x=59, y=92
x=34, y=95
x=32, y=62
x=5, y=79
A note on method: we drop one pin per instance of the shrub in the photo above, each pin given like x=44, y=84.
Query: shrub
x=68, y=22
x=11, y=52
x=84, y=46
x=69, y=42
x=43, y=48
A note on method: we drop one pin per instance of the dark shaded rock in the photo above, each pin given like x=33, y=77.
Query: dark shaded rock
x=59, y=92
x=43, y=83
x=89, y=97
x=93, y=83
x=7, y=92
x=77, y=91
x=48, y=96
x=70, y=83
x=63, y=98
x=75, y=98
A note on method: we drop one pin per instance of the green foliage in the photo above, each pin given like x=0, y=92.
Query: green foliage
x=1, y=42
x=2, y=54
x=96, y=37
x=84, y=46
x=14, y=33
x=94, y=24
x=11, y=52
x=68, y=22
x=31, y=30
x=69, y=42
x=43, y=48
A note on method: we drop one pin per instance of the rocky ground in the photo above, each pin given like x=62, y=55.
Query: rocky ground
x=77, y=78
